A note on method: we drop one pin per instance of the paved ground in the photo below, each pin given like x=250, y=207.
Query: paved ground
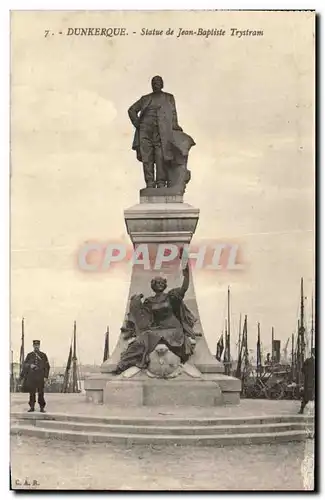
x=76, y=404
x=64, y=465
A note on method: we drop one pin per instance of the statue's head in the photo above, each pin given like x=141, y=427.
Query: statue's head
x=158, y=284
x=157, y=83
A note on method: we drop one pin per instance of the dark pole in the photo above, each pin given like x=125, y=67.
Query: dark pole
x=12, y=378
x=302, y=322
x=225, y=357
x=229, y=356
x=312, y=324
x=258, y=351
x=107, y=331
x=22, y=347
x=292, y=356
x=74, y=360
x=106, y=346
x=245, y=356
x=239, y=337
x=298, y=356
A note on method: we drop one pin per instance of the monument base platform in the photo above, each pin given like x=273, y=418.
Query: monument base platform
x=71, y=418
x=210, y=390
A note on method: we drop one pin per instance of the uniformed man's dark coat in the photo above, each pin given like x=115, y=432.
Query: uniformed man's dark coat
x=33, y=377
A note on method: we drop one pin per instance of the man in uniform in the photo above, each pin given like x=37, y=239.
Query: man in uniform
x=158, y=139
x=308, y=371
x=34, y=373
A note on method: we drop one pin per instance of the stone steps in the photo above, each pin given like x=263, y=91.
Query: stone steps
x=167, y=430
x=167, y=439
x=170, y=430
x=165, y=420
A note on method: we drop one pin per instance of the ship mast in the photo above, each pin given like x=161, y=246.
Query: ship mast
x=22, y=346
x=239, y=337
x=225, y=357
x=74, y=360
x=293, y=363
x=228, y=368
x=258, y=352
x=312, y=324
x=106, y=346
x=302, y=323
x=65, y=386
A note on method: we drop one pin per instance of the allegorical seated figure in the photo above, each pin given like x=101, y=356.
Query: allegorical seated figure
x=160, y=319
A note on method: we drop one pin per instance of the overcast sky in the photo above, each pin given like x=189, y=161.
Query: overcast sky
x=247, y=102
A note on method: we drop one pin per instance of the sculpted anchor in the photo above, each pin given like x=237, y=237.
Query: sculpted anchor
x=159, y=141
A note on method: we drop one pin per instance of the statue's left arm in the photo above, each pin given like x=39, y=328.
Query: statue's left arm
x=174, y=115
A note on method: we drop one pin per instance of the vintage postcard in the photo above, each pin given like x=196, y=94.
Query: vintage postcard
x=162, y=250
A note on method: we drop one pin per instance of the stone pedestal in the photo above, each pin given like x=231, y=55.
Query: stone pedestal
x=211, y=390
x=162, y=218
x=157, y=392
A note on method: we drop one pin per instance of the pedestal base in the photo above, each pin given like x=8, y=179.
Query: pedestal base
x=210, y=390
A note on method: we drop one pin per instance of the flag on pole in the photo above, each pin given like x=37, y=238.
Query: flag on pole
x=220, y=348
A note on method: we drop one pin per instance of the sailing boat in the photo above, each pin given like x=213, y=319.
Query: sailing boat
x=71, y=382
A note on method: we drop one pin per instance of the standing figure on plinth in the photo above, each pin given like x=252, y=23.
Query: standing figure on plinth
x=159, y=140
x=160, y=319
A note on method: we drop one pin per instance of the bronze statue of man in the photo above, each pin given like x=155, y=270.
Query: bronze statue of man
x=159, y=141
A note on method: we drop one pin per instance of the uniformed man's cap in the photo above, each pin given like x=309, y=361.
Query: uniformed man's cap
x=36, y=342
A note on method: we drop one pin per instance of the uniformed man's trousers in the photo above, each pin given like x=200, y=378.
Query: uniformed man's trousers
x=39, y=388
